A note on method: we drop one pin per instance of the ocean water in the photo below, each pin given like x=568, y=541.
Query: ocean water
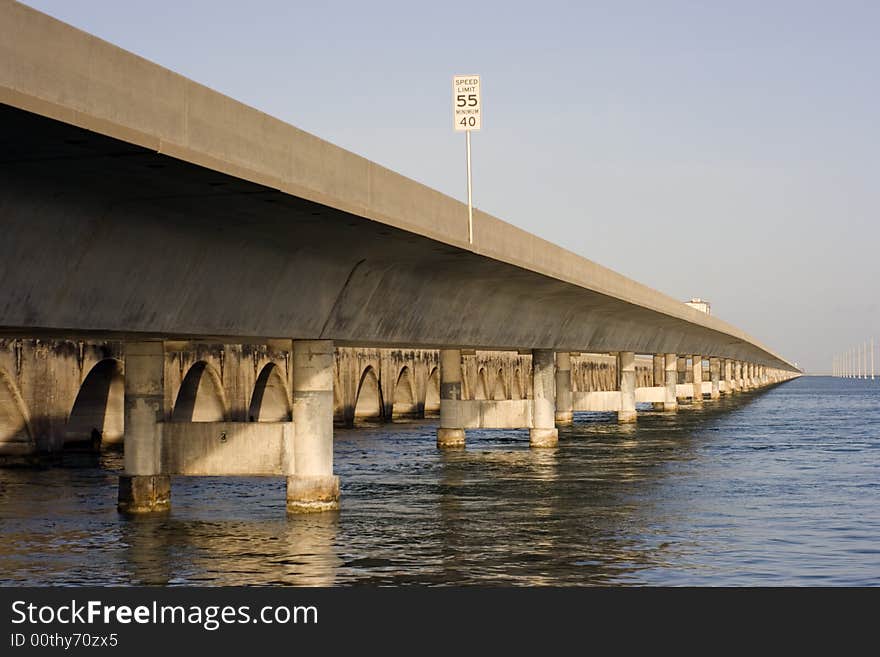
x=776, y=487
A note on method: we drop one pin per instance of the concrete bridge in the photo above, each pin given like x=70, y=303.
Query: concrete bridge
x=148, y=219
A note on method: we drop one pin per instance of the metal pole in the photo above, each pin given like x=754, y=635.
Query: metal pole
x=865, y=361
x=872, y=359
x=470, y=201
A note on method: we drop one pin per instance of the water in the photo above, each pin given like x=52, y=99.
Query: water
x=771, y=488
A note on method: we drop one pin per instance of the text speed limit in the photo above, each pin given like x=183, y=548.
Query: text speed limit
x=467, y=108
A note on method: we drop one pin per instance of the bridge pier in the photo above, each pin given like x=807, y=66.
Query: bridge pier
x=312, y=486
x=543, y=432
x=450, y=433
x=681, y=376
x=659, y=378
x=697, y=378
x=143, y=488
x=627, y=412
x=715, y=377
x=564, y=414
x=670, y=403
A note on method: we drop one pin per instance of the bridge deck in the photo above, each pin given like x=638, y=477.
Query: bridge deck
x=213, y=219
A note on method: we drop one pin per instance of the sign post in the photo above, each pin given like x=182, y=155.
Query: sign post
x=467, y=114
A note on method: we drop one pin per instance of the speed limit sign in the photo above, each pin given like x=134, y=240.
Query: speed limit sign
x=466, y=106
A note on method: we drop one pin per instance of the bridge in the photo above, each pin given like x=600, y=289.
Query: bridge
x=144, y=215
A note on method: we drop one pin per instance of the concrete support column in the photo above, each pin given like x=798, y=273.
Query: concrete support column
x=627, y=412
x=564, y=412
x=697, y=370
x=750, y=374
x=715, y=376
x=143, y=488
x=740, y=381
x=543, y=432
x=727, y=375
x=450, y=433
x=659, y=370
x=671, y=371
x=681, y=375
x=313, y=486
x=659, y=377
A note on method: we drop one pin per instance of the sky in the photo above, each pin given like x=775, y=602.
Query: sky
x=725, y=150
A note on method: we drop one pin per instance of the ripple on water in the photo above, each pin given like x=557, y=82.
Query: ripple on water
x=775, y=488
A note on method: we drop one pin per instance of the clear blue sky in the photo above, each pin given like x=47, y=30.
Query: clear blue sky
x=727, y=150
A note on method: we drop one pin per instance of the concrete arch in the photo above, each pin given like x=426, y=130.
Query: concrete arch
x=201, y=397
x=339, y=414
x=481, y=389
x=499, y=389
x=270, y=401
x=516, y=389
x=432, y=394
x=405, y=404
x=368, y=404
x=98, y=413
x=16, y=436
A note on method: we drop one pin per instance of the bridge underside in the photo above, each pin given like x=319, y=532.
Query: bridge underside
x=102, y=237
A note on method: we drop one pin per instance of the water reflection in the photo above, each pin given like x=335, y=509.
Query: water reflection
x=778, y=487
x=299, y=550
